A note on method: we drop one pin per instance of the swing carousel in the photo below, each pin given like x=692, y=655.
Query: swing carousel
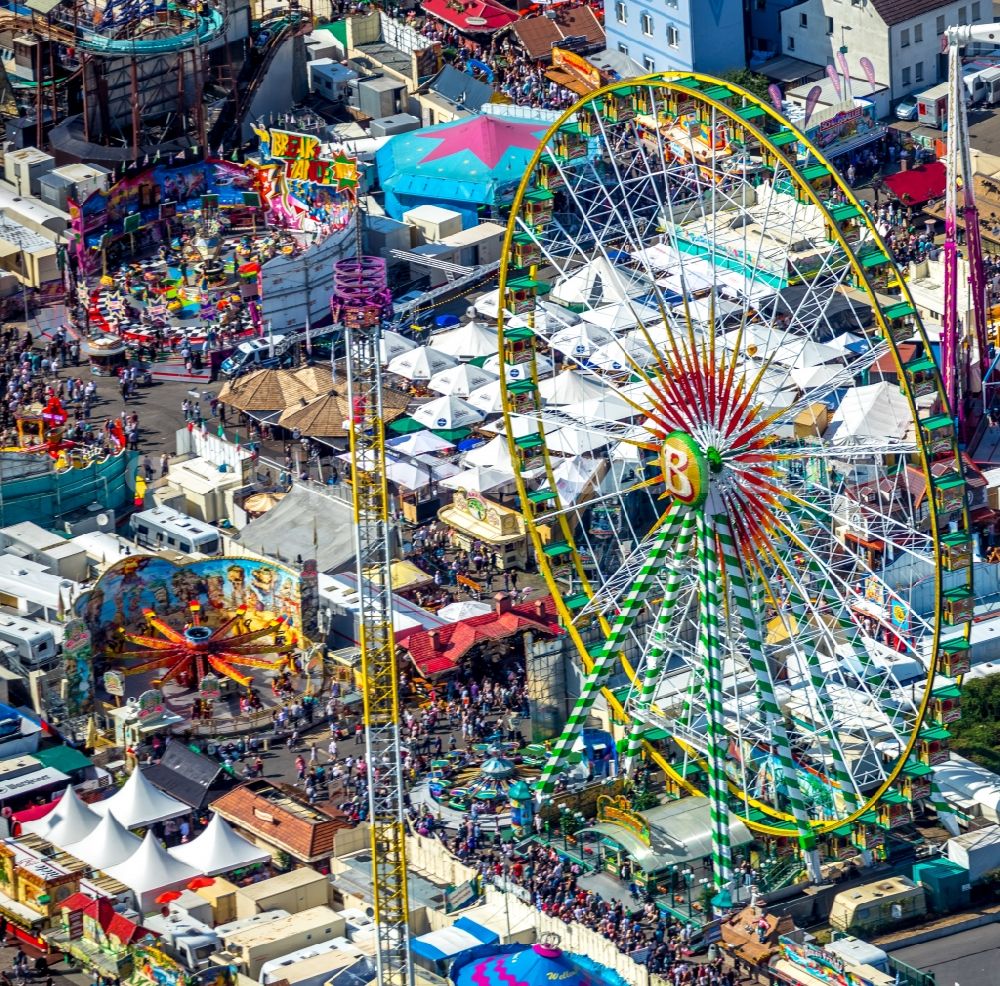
x=189, y=655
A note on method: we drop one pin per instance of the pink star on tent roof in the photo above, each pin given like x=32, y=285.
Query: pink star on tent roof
x=487, y=138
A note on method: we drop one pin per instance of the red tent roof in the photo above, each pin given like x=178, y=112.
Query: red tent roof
x=35, y=812
x=437, y=651
x=918, y=185
x=473, y=17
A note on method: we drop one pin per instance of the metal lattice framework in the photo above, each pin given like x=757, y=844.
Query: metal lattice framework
x=766, y=526
x=379, y=667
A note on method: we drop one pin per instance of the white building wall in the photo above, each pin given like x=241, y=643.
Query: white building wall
x=816, y=29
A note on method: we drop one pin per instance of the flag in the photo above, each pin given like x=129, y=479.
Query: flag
x=157, y=158
x=221, y=151
x=776, y=96
x=811, y=100
x=835, y=79
x=869, y=70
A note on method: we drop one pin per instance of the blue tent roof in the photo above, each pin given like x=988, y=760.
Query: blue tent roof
x=464, y=161
x=534, y=965
x=446, y=944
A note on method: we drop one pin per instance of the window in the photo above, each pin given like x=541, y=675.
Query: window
x=648, y=64
x=961, y=16
x=918, y=33
x=906, y=75
x=918, y=72
x=646, y=21
x=621, y=13
x=623, y=48
x=790, y=46
x=673, y=36
x=803, y=20
x=976, y=11
x=904, y=38
x=829, y=27
x=939, y=26
x=672, y=3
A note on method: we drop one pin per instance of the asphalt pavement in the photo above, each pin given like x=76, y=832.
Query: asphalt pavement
x=970, y=958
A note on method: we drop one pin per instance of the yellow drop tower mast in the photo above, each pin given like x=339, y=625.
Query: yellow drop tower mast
x=361, y=291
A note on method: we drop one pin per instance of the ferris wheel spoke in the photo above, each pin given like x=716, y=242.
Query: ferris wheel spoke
x=603, y=663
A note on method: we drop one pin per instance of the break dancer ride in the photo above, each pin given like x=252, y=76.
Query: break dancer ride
x=778, y=519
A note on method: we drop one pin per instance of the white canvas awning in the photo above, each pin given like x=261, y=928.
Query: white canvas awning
x=110, y=843
x=448, y=413
x=878, y=411
x=570, y=387
x=139, y=803
x=466, y=342
x=70, y=821
x=420, y=363
x=218, y=849
x=151, y=870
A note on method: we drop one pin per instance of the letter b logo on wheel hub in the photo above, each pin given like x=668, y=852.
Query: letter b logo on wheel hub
x=685, y=469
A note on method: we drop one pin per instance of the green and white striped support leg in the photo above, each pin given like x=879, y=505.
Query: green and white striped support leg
x=941, y=807
x=658, y=641
x=717, y=740
x=788, y=779
x=604, y=662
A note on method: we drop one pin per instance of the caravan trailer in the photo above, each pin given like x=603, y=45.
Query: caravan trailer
x=164, y=528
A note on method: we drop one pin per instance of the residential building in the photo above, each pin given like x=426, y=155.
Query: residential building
x=764, y=26
x=901, y=38
x=678, y=35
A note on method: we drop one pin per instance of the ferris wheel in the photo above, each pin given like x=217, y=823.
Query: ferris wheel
x=737, y=466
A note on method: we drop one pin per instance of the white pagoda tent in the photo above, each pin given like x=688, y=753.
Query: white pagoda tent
x=466, y=341
x=570, y=387
x=139, y=803
x=219, y=848
x=109, y=844
x=151, y=870
x=69, y=821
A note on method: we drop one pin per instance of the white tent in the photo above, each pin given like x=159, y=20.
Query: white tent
x=801, y=353
x=570, y=387
x=658, y=256
x=419, y=443
x=110, y=843
x=151, y=870
x=574, y=441
x=448, y=413
x=573, y=476
x=608, y=407
x=392, y=344
x=463, y=610
x=495, y=454
x=622, y=316
x=218, y=849
x=139, y=803
x=878, y=411
x=622, y=355
x=546, y=318
x=460, y=381
x=466, y=341
x=487, y=398
x=420, y=363
x=599, y=283
x=70, y=821
x=481, y=479
x=580, y=340
x=519, y=371
x=810, y=377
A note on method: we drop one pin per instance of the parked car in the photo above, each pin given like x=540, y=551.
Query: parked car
x=906, y=108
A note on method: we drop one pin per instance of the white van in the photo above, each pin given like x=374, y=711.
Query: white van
x=165, y=528
x=34, y=644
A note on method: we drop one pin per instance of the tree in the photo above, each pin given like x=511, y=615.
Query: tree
x=754, y=83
